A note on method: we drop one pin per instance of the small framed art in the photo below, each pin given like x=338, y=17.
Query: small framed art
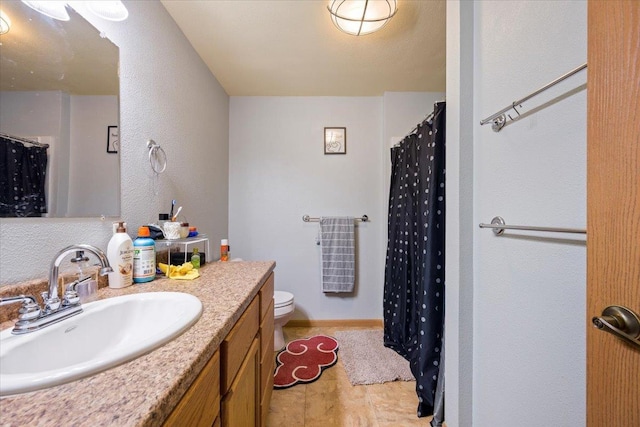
x=113, y=139
x=335, y=140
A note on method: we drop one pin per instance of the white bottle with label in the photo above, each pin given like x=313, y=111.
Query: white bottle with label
x=120, y=256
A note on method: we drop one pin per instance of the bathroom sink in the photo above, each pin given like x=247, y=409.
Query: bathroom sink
x=107, y=333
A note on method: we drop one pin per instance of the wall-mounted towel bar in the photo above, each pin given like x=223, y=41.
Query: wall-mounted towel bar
x=498, y=225
x=499, y=119
x=307, y=218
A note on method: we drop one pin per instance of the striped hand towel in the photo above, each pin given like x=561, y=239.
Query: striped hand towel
x=337, y=243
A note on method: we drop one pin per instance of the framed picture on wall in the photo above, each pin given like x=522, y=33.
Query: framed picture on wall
x=113, y=139
x=335, y=140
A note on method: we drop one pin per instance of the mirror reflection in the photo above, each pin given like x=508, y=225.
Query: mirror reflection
x=58, y=86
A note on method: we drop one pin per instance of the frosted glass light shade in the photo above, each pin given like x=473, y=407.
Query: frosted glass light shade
x=360, y=17
x=108, y=9
x=5, y=23
x=52, y=9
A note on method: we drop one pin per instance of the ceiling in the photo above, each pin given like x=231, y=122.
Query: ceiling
x=291, y=48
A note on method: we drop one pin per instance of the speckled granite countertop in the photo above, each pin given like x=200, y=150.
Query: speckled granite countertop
x=143, y=392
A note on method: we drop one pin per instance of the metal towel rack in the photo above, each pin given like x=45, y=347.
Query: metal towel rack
x=307, y=218
x=499, y=119
x=157, y=157
x=498, y=225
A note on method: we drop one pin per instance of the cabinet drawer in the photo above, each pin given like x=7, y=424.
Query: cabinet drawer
x=266, y=296
x=200, y=405
x=266, y=333
x=235, y=345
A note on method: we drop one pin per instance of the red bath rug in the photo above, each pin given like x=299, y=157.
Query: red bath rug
x=302, y=361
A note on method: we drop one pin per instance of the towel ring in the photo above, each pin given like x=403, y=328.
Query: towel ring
x=157, y=157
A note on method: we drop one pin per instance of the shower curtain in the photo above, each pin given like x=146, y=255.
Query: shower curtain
x=22, y=179
x=414, y=271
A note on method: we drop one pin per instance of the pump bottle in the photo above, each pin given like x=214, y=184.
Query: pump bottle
x=120, y=256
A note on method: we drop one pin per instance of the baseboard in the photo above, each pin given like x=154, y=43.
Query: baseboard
x=310, y=323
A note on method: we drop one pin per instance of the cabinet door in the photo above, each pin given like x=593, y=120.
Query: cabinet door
x=201, y=403
x=240, y=405
x=237, y=343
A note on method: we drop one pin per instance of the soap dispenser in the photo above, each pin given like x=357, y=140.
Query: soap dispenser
x=120, y=256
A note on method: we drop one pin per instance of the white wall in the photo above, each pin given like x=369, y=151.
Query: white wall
x=528, y=291
x=94, y=175
x=459, y=317
x=167, y=94
x=278, y=173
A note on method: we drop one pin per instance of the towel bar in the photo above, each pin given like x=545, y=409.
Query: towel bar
x=307, y=218
x=498, y=225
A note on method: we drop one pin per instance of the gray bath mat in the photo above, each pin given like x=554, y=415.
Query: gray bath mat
x=367, y=361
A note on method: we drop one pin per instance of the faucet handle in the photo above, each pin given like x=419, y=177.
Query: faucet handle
x=50, y=304
x=30, y=310
x=70, y=298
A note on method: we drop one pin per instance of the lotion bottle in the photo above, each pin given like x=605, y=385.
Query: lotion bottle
x=120, y=256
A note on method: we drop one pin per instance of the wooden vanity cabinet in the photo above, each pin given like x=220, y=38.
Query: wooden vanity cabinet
x=234, y=388
x=247, y=383
x=267, y=360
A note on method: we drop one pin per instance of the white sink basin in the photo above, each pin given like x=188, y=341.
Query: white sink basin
x=107, y=333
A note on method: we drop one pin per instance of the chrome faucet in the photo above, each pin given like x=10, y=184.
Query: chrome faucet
x=31, y=317
x=50, y=298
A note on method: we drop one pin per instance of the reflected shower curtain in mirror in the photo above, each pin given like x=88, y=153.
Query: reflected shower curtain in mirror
x=22, y=179
x=414, y=271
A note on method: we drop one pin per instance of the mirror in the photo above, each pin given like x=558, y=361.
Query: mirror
x=59, y=85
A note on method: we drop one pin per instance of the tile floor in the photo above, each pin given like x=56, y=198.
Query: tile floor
x=331, y=401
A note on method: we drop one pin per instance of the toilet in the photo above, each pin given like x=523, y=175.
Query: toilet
x=283, y=307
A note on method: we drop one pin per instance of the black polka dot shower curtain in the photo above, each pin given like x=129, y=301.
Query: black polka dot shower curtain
x=414, y=271
x=22, y=179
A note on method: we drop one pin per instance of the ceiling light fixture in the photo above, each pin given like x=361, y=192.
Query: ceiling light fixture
x=109, y=10
x=360, y=17
x=5, y=23
x=112, y=10
x=52, y=9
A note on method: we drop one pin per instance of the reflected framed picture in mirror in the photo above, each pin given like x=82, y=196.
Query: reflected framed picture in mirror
x=113, y=139
x=335, y=140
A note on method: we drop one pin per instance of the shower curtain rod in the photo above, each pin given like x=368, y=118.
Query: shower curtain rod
x=307, y=218
x=499, y=119
x=23, y=140
x=426, y=119
x=498, y=225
